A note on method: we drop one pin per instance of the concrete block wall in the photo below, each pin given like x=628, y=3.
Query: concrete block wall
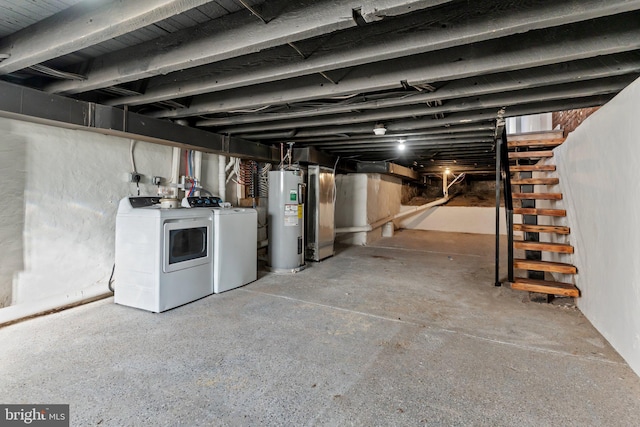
x=598, y=168
x=61, y=190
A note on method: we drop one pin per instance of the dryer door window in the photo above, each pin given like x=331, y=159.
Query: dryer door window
x=187, y=244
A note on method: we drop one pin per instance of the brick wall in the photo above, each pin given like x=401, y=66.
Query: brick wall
x=571, y=119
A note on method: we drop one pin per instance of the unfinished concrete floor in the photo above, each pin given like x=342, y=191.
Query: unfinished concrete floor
x=409, y=331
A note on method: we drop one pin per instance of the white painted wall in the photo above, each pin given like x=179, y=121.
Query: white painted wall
x=65, y=191
x=363, y=199
x=598, y=168
x=457, y=219
x=13, y=158
x=531, y=123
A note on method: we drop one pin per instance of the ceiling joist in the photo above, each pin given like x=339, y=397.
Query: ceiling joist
x=555, y=45
x=414, y=34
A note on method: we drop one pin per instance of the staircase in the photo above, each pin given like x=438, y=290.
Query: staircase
x=524, y=153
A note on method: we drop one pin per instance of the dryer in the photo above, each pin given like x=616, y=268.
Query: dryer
x=163, y=256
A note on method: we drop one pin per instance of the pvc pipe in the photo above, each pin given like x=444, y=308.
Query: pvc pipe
x=197, y=171
x=417, y=209
x=175, y=170
x=222, y=178
x=445, y=187
x=232, y=162
x=381, y=222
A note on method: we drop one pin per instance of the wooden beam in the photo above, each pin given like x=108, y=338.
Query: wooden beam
x=513, y=53
x=526, y=96
x=414, y=34
x=82, y=26
x=231, y=36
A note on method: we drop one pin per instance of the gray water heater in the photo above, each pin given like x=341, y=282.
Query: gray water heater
x=286, y=221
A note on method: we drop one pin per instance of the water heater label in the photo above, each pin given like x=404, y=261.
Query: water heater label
x=291, y=215
x=293, y=195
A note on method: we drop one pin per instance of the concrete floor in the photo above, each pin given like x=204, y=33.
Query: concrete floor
x=409, y=331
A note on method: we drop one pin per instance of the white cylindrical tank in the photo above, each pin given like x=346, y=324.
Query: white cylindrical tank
x=286, y=221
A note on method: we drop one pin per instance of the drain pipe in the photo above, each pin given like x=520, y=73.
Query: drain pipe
x=175, y=171
x=222, y=177
x=197, y=171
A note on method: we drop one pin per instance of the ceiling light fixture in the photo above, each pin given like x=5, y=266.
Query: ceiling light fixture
x=379, y=129
x=401, y=145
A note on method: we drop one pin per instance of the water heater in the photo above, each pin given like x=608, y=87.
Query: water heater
x=286, y=221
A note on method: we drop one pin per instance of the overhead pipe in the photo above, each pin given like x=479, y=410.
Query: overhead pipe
x=222, y=177
x=197, y=171
x=175, y=171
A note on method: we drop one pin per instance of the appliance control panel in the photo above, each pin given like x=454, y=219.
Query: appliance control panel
x=202, y=202
x=143, y=202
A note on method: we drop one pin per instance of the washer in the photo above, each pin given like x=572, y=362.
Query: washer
x=163, y=256
x=235, y=247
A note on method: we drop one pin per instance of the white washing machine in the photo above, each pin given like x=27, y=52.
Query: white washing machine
x=163, y=256
x=235, y=248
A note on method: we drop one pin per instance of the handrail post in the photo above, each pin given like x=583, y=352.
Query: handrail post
x=508, y=203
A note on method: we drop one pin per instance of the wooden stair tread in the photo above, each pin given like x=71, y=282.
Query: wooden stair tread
x=536, y=211
x=561, y=248
x=532, y=168
x=553, y=267
x=528, y=228
x=535, y=142
x=537, y=196
x=530, y=154
x=545, y=287
x=535, y=181
x=544, y=134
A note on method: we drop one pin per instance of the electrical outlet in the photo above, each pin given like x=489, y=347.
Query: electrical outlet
x=135, y=177
x=156, y=180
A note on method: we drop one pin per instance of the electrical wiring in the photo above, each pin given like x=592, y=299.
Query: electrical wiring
x=110, y=283
x=131, y=158
x=263, y=189
x=335, y=184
